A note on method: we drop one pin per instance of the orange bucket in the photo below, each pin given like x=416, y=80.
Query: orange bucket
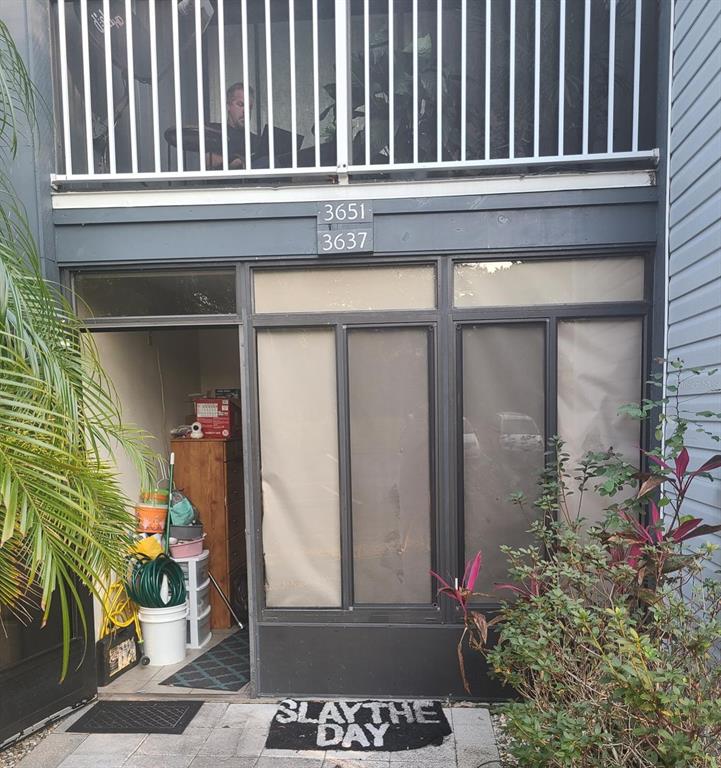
x=151, y=519
x=155, y=498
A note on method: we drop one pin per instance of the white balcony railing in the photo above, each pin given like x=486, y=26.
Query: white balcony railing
x=187, y=89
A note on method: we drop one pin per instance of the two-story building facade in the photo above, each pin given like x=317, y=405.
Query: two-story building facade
x=419, y=237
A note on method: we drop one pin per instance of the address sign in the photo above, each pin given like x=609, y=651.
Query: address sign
x=345, y=228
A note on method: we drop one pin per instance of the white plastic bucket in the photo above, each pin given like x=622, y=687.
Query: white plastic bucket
x=164, y=633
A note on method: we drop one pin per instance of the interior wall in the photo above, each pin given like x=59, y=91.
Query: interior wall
x=218, y=358
x=153, y=373
x=143, y=366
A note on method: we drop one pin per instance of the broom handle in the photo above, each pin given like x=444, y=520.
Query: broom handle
x=225, y=600
x=170, y=502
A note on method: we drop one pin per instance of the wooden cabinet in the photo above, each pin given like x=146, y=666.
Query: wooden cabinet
x=210, y=473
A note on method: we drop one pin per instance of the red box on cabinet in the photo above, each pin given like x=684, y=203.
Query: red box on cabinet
x=218, y=416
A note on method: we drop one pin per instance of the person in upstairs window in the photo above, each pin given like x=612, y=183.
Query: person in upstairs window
x=236, y=112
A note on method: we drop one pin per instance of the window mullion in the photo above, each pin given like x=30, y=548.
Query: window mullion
x=447, y=546
x=346, y=526
x=551, y=380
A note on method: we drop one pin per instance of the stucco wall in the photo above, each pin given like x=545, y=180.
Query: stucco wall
x=694, y=291
x=153, y=373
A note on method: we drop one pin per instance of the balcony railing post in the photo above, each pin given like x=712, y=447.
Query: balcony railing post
x=316, y=81
x=87, y=103
x=269, y=82
x=154, y=84
x=367, y=80
x=62, y=38
x=611, y=72
x=391, y=83
x=130, y=53
x=342, y=79
x=293, y=106
x=109, y=87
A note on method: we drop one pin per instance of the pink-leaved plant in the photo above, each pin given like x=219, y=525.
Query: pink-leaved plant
x=475, y=624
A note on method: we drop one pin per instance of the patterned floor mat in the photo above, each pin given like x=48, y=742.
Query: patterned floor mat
x=137, y=717
x=224, y=667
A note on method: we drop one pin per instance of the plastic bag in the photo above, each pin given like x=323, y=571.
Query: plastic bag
x=182, y=511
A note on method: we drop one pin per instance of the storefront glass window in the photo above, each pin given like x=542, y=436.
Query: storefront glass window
x=390, y=464
x=503, y=438
x=299, y=467
x=520, y=282
x=345, y=289
x=380, y=404
x=599, y=370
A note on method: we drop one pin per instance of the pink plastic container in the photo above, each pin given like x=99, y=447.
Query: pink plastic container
x=187, y=548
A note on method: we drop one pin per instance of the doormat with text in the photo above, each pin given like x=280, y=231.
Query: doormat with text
x=382, y=726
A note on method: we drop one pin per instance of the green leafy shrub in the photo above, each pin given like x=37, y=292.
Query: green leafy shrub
x=610, y=672
x=613, y=640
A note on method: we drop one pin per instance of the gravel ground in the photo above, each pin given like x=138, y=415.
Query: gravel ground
x=502, y=741
x=12, y=755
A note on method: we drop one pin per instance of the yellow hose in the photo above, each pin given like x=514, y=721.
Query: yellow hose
x=119, y=611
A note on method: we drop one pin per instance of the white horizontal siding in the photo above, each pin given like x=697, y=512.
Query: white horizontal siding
x=694, y=293
x=702, y=190
x=707, y=493
x=686, y=8
x=699, y=88
x=695, y=129
x=704, y=245
x=699, y=328
x=701, y=301
x=698, y=353
x=706, y=216
x=706, y=51
x=695, y=168
x=695, y=277
x=704, y=447
x=703, y=400
x=690, y=26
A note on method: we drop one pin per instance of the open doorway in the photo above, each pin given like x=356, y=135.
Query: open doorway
x=159, y=375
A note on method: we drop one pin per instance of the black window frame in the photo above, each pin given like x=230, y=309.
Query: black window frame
x=448, y=545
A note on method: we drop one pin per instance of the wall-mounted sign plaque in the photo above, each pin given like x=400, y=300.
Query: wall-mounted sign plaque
x=352, y=212
x=345, y=228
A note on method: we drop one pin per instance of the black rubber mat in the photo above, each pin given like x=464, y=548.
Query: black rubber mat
x=137, y=717
x=224, y=667
x=369, y=726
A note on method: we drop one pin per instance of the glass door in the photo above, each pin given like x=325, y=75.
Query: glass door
x=390, y=383
x=346, y=370
x=502, y=387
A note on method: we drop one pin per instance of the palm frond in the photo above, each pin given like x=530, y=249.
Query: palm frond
x=18, y=95
x=64, y=520
x=58, y=419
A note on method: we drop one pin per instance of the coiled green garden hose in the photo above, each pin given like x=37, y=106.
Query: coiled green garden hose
x=145, y=582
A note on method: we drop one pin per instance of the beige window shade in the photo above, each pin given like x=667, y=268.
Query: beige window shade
x=390, y=465
x=299, y=467
x=503, y=439
x=345, y=289
x=599, y=370
x=529, y=283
